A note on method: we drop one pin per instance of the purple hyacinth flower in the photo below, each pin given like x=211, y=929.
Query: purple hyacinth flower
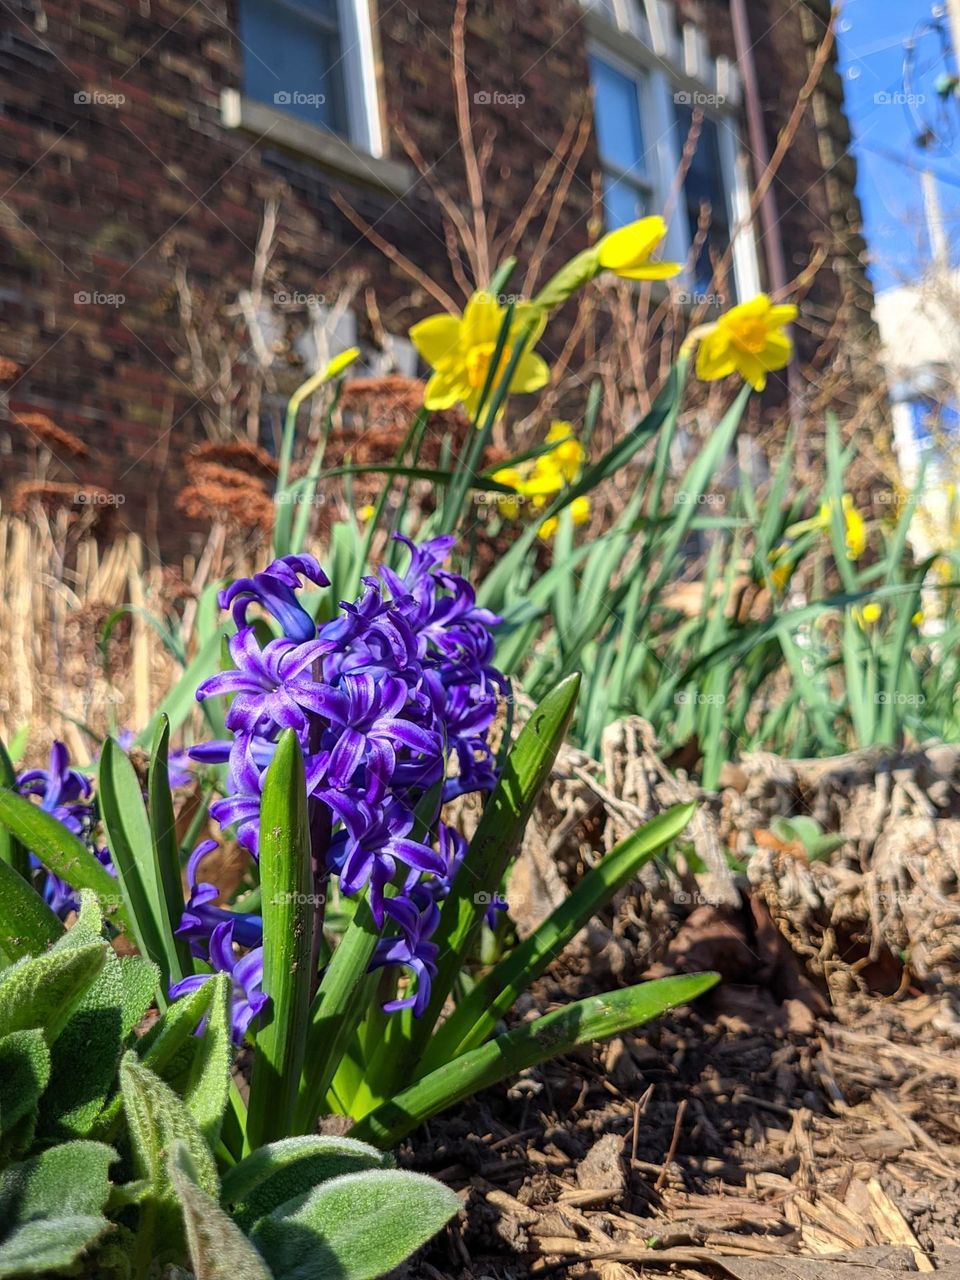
x=412, y=951
x=273, y=687
x=200, y=917
x=246, y=971
x=273, y=590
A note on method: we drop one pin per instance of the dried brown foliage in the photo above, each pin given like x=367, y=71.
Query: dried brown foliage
x=45, y=431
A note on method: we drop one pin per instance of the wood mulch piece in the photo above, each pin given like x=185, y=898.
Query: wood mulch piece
x=731, y=1139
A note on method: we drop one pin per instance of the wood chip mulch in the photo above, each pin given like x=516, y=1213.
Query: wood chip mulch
x=739, y=1138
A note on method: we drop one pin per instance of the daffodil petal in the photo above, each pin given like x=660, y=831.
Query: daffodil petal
x=443, y=391
x=652, y=271
x=437, y=338
x=532, y=373
x=632, y=245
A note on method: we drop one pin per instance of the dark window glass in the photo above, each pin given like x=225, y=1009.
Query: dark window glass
x=293, y=59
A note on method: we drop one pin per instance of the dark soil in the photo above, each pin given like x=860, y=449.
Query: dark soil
x=760, y=1133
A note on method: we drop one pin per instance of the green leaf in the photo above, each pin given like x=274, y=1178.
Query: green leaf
x=166, y=851
x=555, y=1033
x=208, y=1083
x=156, y=1118
x=282, y=1170
x=12, y=851
x=24, y=1074
x=134, y=855
x=61, y=852
x=87, y=1051
x=288, y=919
x=140, y=985
x=45, y=990
x=51, y=1208
x=497, y=841
x=476, y=1016
x=218, y=1248
x=27, y=925
x=355, y=1227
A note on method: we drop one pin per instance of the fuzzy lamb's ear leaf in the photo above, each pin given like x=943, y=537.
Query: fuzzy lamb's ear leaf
x=356, y=1227
x=27, y=925
x=218, y=1248
x=291, y=1167
x=44, y=991
x=156, y=1118
x=208, y=1084
x=24, y=1074
x=51, y=1208
x=87, y=1053
x=139, y=981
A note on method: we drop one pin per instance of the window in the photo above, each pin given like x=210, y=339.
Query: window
x=704, y=190
x=312, y=59
x=649, y=77
x=617, y=97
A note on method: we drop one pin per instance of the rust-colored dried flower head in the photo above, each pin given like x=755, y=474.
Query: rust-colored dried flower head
x=45, y=431
x=9, y=370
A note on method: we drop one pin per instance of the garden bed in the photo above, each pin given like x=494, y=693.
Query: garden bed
x=789, y=1122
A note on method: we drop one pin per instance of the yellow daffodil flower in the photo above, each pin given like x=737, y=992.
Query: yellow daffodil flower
x=749, y=340
x=781, y=566
x=868, y=616
x=628, y=251
x=917, y=618
x=579, y=509
x=855, y=528
x=460, y=350
x=541, y=478
x=366, y=513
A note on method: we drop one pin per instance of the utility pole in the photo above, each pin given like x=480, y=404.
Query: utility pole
x=953, y=17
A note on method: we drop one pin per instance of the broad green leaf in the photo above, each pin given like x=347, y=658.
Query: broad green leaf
x=27, y=925
x=61, y=852
x=140, y=986
x=134, y=855
x=51, y=1208
x=595, y=1018
x=166, y=851
x=43, y=991
x=218, y=1248
x=355, y=1227
x=87, y=1052
x=282, y=1170
x=476, y=1016
x=157, y=1118
x=208, y=1083
x=12, y=852
x=496, y=842
x=24, y=1074
x=288, y=920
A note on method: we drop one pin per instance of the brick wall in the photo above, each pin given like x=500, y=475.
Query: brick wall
x=104, y=198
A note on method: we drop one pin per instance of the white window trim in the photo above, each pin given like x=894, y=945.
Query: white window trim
x=360, y=79
x=659, y=82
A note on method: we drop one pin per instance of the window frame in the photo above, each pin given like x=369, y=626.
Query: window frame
x=631, y=55
x=353, y=27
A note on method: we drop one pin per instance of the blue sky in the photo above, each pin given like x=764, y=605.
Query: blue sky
x=871, y=35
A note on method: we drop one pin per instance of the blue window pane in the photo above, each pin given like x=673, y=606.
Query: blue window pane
x=622, y=202
x=704, y=186
x=292, y=59
x=616, y=104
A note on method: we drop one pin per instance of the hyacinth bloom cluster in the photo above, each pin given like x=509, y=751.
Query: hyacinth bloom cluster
x=65, y=793
x=392, y=702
